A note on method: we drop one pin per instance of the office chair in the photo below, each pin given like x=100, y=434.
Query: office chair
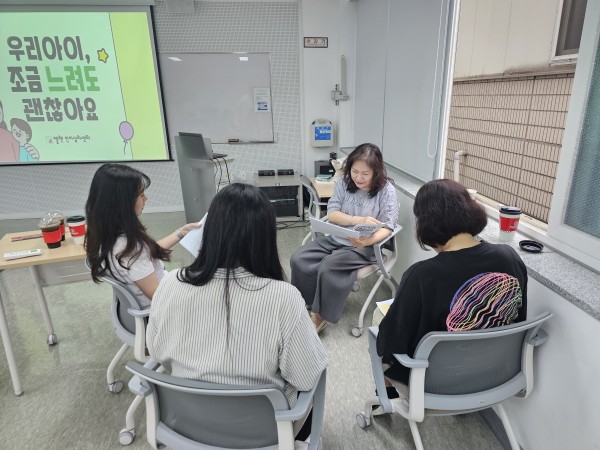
x=129, y=322
x=386, y=253
x=460, y=372
x=315, y=204
x=190, y=414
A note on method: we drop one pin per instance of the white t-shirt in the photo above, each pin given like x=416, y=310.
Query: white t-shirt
x=139, y=269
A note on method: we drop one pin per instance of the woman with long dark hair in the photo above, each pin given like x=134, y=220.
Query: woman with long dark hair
x=325, y=270
x=116, y=242
x=230, y=317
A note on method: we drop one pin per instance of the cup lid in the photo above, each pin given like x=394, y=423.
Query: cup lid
x=511, y=210
x=55, y=213
x=48, y=221
x=75, y=219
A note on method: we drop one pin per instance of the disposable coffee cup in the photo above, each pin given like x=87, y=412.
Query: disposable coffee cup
x=50, y=228
x=54, y=214
x=472, y=193
x=509, y=222
x=76, y=226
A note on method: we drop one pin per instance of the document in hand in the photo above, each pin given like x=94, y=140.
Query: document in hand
x=328, y=228
x=367, y=229
x=193, y=240
x=361, y=230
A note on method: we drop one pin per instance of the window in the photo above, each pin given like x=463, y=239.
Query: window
x=512, y=129
x=568, y=33
x=575, y=210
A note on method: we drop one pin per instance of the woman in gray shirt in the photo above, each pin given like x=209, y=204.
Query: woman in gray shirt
x=325, y=270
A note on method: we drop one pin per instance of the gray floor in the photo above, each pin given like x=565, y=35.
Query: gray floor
x=66, y=405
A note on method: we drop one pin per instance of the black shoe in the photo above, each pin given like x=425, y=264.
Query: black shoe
x=377, y=410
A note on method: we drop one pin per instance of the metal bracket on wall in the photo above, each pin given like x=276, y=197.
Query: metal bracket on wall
x=339, y=93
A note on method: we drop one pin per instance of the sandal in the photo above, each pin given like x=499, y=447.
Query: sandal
x=321, y=326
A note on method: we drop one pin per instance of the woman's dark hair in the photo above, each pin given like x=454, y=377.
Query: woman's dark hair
x=443, y=209
x=110, y=213
x=371, y=155
x=239, y=231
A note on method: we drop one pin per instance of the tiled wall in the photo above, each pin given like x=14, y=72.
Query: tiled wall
x=214, y=27
x=512, y=129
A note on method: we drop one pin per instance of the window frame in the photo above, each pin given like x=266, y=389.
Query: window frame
x=571, y=241
x=561, y=59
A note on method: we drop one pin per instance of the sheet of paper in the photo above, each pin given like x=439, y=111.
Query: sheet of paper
x=193, y=240
x=367, y=229
x=334, y=230
x=384, y=305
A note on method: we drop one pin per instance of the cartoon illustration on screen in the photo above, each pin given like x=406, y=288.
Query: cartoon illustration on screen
x=9, y=147
x=21, y=131
x=2, y=122
x=126, y=131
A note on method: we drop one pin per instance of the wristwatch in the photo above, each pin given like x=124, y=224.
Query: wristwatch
x=179, y=234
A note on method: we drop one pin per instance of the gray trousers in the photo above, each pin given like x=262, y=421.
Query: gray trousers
x=324, y=272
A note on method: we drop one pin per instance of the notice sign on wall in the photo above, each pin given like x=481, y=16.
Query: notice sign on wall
x=262, y=99
x=78, y=86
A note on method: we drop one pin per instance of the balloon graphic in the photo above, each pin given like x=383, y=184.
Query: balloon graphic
x=126, y=130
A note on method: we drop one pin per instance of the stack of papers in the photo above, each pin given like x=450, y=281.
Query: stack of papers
x=363, y=229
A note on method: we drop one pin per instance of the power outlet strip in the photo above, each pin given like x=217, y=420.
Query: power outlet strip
x=266, y=173
x=285, y=171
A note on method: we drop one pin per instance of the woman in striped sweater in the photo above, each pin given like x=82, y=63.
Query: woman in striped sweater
x=229, y=317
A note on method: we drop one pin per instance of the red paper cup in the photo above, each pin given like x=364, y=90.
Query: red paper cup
x=54, y=214
x=509, y=222
x=77, y=228
x=51, y=232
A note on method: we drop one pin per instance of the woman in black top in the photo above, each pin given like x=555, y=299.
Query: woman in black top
x=468, y=285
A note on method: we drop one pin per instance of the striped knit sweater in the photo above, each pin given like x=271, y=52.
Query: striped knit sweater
x=272, y=340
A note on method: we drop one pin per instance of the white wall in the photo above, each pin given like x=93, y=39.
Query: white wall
x=563, y=409
x=504, y=36
x=334, y=19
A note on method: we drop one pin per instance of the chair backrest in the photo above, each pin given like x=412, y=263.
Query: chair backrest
x=123, y=299
x=464, y=363
x=216, y=415
x=314, y=210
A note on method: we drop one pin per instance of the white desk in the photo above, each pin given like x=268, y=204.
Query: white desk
x=54, y=266
x=324, y=188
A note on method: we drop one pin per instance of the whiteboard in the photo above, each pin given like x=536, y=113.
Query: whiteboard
x=222, y=96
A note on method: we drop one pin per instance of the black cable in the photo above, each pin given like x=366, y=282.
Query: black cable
x=227, y=170
x=216, y=162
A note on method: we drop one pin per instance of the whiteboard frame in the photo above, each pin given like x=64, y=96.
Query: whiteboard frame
x=173, y=129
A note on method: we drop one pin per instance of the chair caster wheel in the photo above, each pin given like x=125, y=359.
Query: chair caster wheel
x=362, y=420
x=115, y=387
x=52, y=339
x=357, y=331
x=126, y=436
x=355, y=287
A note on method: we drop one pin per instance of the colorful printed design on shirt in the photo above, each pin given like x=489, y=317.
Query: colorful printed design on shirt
x=487, y=300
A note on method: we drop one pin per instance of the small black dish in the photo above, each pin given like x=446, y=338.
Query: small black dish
x=531, y=246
